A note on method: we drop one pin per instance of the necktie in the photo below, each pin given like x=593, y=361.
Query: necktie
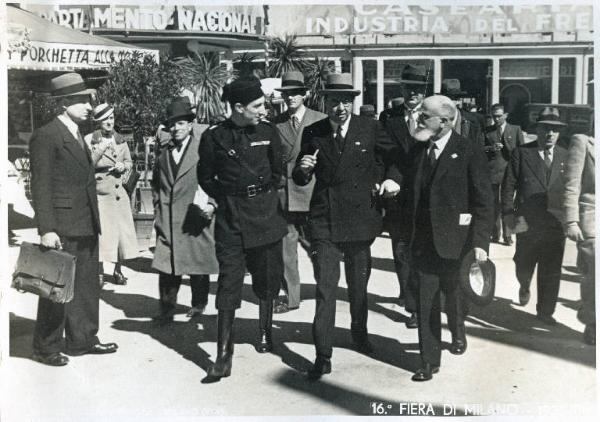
x=548, y=163
x=295, y=122
x=412, y=122
x=430, y=162
x=339, y=139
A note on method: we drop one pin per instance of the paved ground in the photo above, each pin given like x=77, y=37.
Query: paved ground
x=513, y=364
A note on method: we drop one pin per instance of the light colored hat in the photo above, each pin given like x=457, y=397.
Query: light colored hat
x=69, y=84
x=101, y=112
x=339, y=83
x=292, y=80
x=550, y=116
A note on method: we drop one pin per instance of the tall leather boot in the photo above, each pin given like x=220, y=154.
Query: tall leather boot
x=265, y=322
x=222, y=366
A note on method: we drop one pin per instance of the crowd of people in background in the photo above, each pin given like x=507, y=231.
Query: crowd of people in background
x=241, y=196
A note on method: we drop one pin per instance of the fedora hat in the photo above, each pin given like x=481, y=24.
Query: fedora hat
x=367, y=110
x=292, y=80
x=451, y=88
x=477, y=279
x=414, y=75
x=549, y=116
x=339, y=83
x=102, y=112
x=179, y=109
x=69, y=84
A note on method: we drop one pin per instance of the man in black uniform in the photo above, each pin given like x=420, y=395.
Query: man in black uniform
x=241, y=167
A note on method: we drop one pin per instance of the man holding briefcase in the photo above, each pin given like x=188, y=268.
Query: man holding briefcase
x=64, y=198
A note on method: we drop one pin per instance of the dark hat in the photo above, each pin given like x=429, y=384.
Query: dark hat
x=397, y=102
x=179, y=109
x=243, y=91
x=550, y=116
x=367, y=110
x=451, y=88
x=69, y=84
x=413, y=74
x=292, y=80
x=477, y=279
x=339, y=83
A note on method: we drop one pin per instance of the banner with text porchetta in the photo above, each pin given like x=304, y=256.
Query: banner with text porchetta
x=426, y=19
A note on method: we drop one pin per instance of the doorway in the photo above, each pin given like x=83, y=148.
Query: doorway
x=475, y=77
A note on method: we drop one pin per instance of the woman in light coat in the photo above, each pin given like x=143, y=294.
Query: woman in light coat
x=112, y=161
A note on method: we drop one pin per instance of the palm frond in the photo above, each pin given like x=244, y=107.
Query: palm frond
x=285, y=55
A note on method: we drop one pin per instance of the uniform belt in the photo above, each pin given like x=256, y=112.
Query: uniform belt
x=250, y=191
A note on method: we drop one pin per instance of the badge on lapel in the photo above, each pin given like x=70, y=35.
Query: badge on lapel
x=454, y=155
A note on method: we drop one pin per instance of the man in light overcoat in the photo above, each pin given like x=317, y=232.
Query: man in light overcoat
x=183, y=217
x=295, y=199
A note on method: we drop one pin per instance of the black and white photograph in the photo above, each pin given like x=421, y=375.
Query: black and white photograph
x=298, y=209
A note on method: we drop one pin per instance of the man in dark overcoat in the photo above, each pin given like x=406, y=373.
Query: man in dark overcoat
x=452, y=206
x=295, y=199
x=241, y=167
x=532, y=193
x=64, y=199
x=344, y=153
x=184, y=229
x=500, y=141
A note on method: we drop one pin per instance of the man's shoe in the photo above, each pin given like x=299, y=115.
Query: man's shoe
x=282, y=308
x=321, y=367
x=96, y=349
x=589, y=334
x=119, y=279
x=53, y=359
x=508, y=241
x=524, y=296
x=425, y=373
x=195, y=311
x=165, y=316
x=265, y=323
x=413, y=321
x=362, y=343
x=458, y=347
x=546, y=319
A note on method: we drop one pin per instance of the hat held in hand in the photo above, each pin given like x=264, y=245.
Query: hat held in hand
x=477, y=279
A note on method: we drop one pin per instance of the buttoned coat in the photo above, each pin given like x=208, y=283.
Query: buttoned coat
x=294, y=198
x=344, y=206
x=184, y=238
x=232, y=158
x=528, y=192
x=459, y=187
x=63, y=187
x=118, y=239
x=580, y=186
x=498, y=160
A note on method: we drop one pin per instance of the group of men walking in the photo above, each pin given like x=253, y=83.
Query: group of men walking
x=241, y=195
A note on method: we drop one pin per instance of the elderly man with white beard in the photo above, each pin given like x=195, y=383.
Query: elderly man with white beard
x=451, y=210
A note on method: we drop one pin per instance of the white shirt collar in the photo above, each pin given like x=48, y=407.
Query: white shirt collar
x=344, y=126
x=178, y=154
x=70, y=124
x=441, y=144
x=299, y=113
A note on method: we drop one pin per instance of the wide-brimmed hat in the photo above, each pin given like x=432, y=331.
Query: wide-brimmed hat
x=451, y=88
x=102, y=112
x=179, y=109
x=69, y=84
x=414, y=75
x=549, y=116
x=291, y=81
x=336, y=83
x=477, y=279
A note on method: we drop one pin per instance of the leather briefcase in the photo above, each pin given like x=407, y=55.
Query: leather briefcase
x=48, y=273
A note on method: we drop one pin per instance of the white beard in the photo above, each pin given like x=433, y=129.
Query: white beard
x=422, y=134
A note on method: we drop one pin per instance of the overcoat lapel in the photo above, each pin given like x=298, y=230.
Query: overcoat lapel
x=446, y=158
x=71, y=144
x=326, y=147
x=557, y=160
x=190, y=158
x=352, y=135
x=165, y=165
x=288, y=134
x=536, y=164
